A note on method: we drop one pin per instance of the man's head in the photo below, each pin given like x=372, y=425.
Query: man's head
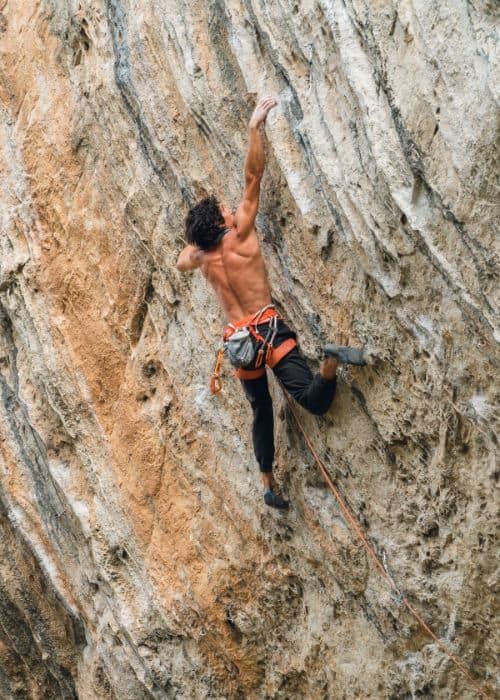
x=205, y=221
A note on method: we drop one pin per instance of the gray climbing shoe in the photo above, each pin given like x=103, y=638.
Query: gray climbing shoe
x=345, y=354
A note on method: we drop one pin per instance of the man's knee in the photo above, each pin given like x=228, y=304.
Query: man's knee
x=259, y=399
x=321, y=405
x=319, y=410
x=261, y=403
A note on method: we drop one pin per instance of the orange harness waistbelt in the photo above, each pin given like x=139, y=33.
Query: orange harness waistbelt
x=267, y=355
x=262, y=316
x=275, y=356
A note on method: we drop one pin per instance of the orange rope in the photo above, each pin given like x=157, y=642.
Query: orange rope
x=355, y=526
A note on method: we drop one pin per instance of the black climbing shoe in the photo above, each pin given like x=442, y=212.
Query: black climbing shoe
x=345, y=354
x=272, y=499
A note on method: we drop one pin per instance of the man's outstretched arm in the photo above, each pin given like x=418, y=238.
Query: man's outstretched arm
x=189, y=259
x=254, y=168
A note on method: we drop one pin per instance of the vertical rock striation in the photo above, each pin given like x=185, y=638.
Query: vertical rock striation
x=137, y=560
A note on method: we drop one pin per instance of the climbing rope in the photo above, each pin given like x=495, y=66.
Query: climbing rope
x=400, y=597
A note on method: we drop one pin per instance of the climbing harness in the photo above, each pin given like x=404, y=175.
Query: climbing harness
x=397, y=594
x=249, y=352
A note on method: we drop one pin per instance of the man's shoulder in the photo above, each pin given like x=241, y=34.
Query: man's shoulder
x=239, y=237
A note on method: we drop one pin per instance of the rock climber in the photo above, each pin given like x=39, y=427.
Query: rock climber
x=224, y=245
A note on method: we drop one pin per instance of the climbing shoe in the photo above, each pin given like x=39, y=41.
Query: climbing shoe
x=272, y=499
x=345, y=354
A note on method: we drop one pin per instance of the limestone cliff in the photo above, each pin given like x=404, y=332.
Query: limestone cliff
x=137, y=558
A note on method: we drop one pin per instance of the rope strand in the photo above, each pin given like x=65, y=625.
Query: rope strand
x=357, y=529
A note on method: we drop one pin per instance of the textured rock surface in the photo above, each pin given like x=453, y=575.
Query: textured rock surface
x=137, y=560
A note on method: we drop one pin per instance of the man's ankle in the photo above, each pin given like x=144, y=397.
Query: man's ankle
x=268, y=480
x=328, y=368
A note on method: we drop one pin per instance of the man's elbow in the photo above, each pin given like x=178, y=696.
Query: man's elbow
x=253, y=177
x=182, y=263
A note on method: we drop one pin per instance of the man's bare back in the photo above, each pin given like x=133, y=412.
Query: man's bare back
x=237, y=272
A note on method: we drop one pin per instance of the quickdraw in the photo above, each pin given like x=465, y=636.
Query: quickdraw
x=215, y=380
x=266, y=344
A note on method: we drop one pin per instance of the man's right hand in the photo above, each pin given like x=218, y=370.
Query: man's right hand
x=260, y=113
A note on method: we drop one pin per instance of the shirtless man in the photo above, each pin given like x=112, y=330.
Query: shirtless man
x=224, y=245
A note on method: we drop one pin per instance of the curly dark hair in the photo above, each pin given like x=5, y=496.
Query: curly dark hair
x=203, y=223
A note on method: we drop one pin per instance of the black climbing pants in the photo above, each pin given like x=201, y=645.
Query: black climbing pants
x=313, y=392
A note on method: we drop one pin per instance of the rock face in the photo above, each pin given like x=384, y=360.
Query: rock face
x=137, y=558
